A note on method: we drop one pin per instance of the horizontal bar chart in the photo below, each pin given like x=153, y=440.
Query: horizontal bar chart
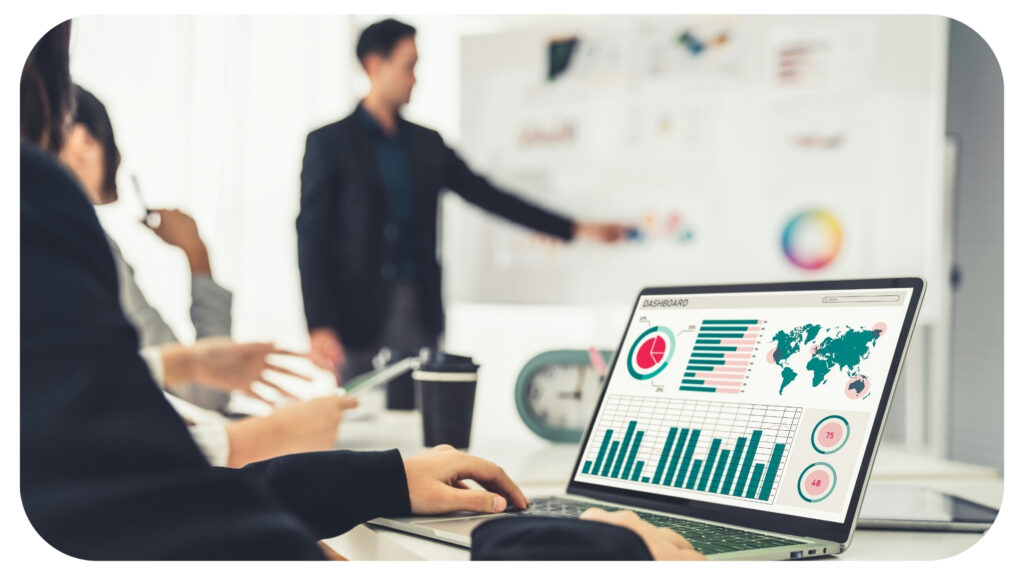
x=722, y=355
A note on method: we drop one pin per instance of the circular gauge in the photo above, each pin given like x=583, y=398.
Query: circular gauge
x=650, y=352
x=831, y=434
x=816, y=482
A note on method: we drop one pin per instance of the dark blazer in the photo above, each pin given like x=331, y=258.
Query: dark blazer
x=345, y=257
x=108, y=469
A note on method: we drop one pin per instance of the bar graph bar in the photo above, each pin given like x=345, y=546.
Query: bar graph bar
x=636, y=472
x=748, y=460
x=604, y=447
x=704, y=477
x=675, y=456
x=755, y=480
x=690, y=447
x=725, y=449
x=625, y=445
x=632, y=454
x=717, y=479
x=664, y=454
x=736, y=453
x=773, y=469
x=692, y=481
x=730, y=322
x=611, y=457
x=722, y=356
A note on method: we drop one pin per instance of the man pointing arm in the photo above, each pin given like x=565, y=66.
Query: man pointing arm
x=367, y=226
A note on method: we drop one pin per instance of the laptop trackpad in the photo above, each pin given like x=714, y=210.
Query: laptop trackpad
x=457, y=526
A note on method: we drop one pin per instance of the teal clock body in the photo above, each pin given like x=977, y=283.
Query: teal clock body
x=556, y=393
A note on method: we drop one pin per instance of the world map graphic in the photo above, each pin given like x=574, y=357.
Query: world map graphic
x=834, y=347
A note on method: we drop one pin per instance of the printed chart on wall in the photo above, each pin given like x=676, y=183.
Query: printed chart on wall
x=760, y=400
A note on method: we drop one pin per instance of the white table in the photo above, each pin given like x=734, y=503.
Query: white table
x=542, y=468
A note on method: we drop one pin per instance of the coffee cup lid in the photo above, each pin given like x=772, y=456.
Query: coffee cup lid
x=439, y=361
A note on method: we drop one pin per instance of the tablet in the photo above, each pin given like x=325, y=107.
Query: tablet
x=921, y=509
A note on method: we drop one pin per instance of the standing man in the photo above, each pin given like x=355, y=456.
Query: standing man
x=367, y=226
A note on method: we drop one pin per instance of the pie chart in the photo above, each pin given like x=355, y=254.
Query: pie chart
x=651, y=352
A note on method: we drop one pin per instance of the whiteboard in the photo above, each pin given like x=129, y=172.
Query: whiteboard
x=711, y=134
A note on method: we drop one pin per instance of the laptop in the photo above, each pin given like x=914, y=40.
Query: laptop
x=745, y=417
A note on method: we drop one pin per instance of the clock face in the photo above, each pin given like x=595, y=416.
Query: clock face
x=563, y=395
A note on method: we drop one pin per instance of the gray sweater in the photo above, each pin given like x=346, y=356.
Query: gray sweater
x=210, y=312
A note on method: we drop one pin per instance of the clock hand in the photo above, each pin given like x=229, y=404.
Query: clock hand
x=580, y=370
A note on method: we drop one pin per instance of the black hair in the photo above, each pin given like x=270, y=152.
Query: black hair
x=46, y=98
x=380, y=38
x=92, y=115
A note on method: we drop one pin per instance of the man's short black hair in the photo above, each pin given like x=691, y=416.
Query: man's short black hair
x=380, y=38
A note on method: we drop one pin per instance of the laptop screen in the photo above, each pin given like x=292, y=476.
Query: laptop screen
x=758, y=400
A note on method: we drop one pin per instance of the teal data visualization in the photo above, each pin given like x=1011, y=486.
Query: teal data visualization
x=842, y=348
x=728, y=450
x=722, y=356
x=761, y=400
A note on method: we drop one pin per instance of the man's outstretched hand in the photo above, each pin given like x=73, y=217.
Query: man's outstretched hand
x=436, y=483
x=601, y=232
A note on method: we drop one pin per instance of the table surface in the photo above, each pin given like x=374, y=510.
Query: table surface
x=542, y=468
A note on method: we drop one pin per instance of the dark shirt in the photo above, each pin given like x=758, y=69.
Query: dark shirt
x=108, y=469
x=392, y=153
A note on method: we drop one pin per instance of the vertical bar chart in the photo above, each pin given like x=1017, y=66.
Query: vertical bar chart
x=726, y=449
x=722, y=355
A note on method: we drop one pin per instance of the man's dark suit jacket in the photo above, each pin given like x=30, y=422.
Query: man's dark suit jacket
x=108, y=469
x=346, y=259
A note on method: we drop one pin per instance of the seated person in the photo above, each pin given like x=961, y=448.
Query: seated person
x=91, y=152
x=108, y=470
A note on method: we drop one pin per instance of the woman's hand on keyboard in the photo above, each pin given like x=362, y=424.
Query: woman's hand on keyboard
x=663, y=543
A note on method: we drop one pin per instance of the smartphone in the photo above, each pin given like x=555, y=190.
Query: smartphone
x=152, y=217
x=379, y=376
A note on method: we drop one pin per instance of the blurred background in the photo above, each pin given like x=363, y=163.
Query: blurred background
x=744, y=148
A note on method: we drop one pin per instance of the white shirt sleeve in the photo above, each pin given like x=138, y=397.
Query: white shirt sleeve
x=208, y=429
x=155, y=362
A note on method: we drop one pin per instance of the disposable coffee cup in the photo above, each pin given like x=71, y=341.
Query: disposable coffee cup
x=399, y=394
x=445, y=391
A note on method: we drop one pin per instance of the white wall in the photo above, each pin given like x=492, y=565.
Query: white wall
x=211, y=113
x=729, y=162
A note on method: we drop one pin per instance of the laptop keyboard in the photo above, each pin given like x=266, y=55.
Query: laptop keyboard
x=705, y=537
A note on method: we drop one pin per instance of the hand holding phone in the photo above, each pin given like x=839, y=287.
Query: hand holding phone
x=152, y=218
